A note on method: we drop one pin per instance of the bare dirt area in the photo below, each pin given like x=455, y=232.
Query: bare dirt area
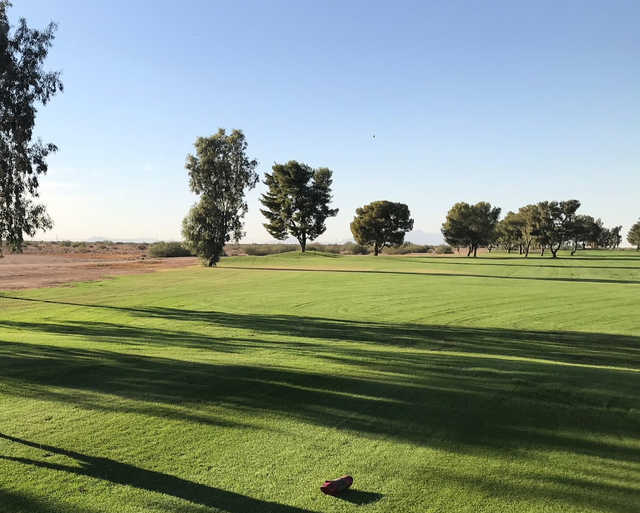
x=46, y=269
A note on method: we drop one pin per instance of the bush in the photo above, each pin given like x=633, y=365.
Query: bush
x=168, y=250
x=336, y=249
x=267, y=249
x=359, y=249
x=443, y=249
x=408, y=247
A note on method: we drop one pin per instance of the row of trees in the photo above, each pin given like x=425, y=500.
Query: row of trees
x=296, y=203
x=545, y=225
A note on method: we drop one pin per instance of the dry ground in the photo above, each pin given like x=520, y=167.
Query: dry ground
x=50, y=266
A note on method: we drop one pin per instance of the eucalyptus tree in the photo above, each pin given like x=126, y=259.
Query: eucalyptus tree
x=220, y=173
x=530, y=228
x=24, y=85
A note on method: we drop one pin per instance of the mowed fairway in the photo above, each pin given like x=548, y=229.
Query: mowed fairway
x=441, y=384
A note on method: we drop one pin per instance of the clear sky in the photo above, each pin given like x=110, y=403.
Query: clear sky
x=508, y=102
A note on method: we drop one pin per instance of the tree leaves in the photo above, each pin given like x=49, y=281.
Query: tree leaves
x=297, y=201
x=380, y=224
x=23, y=85
x=220, y=173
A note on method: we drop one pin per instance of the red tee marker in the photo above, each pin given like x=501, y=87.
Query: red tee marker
x=336, y=486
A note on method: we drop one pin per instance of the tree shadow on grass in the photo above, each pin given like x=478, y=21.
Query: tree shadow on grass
x=563, y=346
x=129, y=475
x=453, y=388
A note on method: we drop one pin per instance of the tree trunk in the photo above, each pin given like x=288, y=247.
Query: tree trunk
x=303, y=244
x=470, y=250
x=475, y=251
x=554, y=252
x=542, y=248
x=376, y=249
x=575, y=248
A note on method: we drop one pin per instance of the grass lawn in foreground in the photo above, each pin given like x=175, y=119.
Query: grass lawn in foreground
x=442, y=384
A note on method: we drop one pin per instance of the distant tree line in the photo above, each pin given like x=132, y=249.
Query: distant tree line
x=297, y=203
x=545, y=225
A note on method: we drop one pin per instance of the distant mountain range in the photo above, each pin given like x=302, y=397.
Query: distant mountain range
x=420, y=237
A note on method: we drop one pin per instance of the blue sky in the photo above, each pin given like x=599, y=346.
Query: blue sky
x=507, y=102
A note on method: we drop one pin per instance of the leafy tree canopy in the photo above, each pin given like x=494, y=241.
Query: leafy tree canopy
x=509, y=231
x=220, y=172
x=556, y=223
x=24, y=84
x=380, y=224
x=297, y=201
x=471, y=226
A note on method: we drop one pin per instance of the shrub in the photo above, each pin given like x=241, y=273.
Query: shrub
x=443, y=249
x=267, y=249
x=359, y=249
x=336, y=249
x=408, y=247
x=168, y=249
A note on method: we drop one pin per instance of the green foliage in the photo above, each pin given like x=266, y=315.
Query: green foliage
x=297, y=201
x=267, y=249
x=220, y=173
x=381, y=224
x=509, y=231
x=633, y=237
x=407, y=248
x=556, y=223
x=471, y=226
x=168, y=249
x=359, y=249
x=443, y=249
x=335, y=249
x=23, y=85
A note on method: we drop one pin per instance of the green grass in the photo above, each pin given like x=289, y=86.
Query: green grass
x=441, y=384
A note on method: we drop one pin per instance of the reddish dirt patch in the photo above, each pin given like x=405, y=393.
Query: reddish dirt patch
x=28, y=271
